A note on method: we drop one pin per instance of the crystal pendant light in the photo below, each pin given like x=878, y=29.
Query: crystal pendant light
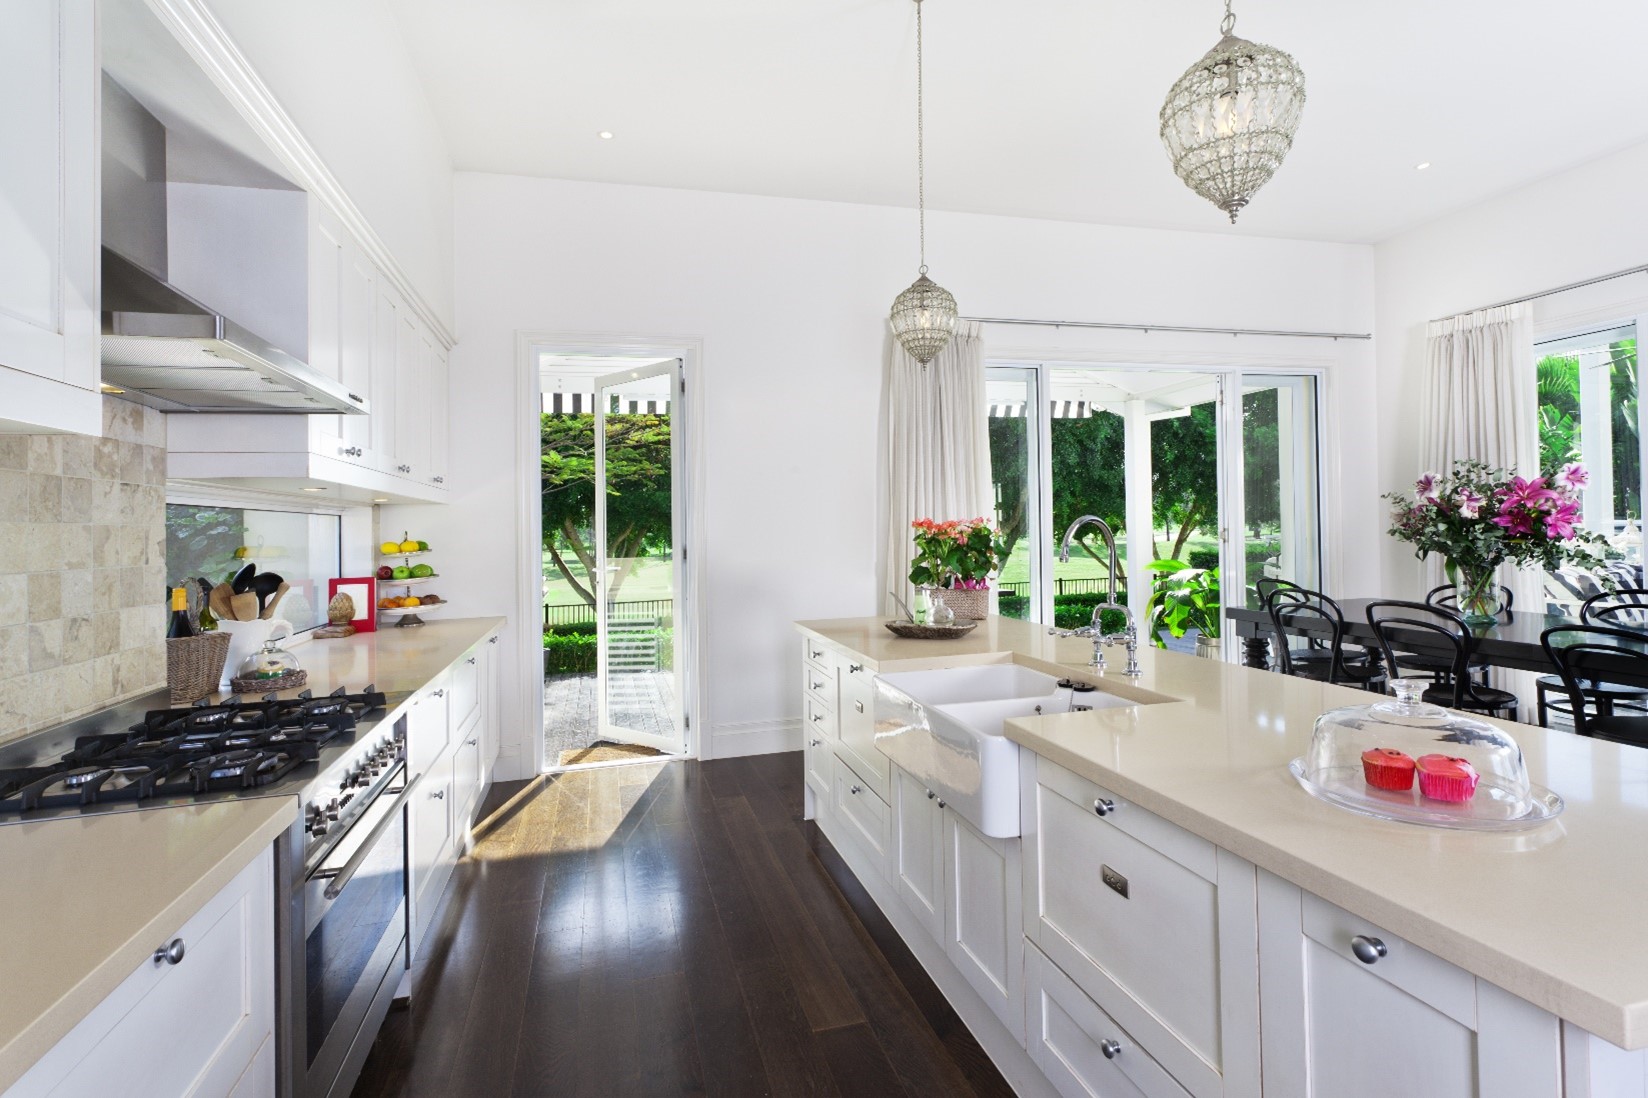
x=924, y=316
x=1231, y=117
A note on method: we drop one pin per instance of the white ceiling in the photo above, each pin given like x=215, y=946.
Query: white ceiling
x=1039, y=108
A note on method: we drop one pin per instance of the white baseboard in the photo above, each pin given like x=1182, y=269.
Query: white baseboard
x=731, y=741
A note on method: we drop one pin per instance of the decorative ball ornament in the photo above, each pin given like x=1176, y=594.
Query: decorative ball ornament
x=924, y=318
x=1230, y=119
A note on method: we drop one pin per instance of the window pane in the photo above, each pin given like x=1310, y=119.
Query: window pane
x=1011, y=395
x=1280, y=537
x=1588, y=412
x=216, y=542
x=1087, y=439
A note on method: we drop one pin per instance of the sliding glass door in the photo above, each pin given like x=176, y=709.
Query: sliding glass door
x=1214, y=469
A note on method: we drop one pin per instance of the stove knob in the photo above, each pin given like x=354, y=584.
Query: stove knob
x=332, y=809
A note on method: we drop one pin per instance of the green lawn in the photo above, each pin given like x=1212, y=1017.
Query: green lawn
x=651, y=579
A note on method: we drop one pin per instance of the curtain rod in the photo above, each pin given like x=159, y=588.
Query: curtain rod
x=1552, y=291
x=1164, y=328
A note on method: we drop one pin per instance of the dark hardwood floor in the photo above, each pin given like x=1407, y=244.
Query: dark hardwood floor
x=669, y=928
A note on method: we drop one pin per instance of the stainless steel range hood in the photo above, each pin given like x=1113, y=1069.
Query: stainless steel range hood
x=162, y=347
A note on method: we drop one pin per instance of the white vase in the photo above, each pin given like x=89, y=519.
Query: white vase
x=246, y=637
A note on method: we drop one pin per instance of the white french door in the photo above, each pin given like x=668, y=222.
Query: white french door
x=639, y=535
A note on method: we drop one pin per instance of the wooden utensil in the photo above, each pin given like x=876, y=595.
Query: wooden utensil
x=280, y=593
x=243, y=607
x=219, y=601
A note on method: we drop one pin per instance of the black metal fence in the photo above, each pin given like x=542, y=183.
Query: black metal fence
x=584, y=614
x=1064, y=586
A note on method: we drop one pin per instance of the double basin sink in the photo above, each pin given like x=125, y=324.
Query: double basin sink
x=945, y=728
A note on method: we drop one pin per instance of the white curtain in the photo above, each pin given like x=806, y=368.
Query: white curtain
x=938, y=446
x=1482, y=402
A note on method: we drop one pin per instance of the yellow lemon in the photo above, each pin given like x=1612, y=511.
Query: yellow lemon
x=389, y=547
x=411, y=600
x=409, y=547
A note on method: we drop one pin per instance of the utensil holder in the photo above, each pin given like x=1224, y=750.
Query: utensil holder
x=194, y=666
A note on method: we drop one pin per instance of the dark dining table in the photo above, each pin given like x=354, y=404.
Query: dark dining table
x=1512, y=643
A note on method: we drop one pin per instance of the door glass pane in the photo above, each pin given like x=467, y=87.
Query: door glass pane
x=1013, y=422
x=638, y=596
x=1185, y=507
x=1086, y=437
x=1279, y=530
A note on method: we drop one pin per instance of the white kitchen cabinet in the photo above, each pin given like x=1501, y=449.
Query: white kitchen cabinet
x=916, y=859
x=432, y=854
x=1350, y=1010
x=427, y=730
x=203, y=1026
x=49, y=326
x=489, y=708
x=362, y=332
x=855, y=720
x=1154, y=924
x=984, y=916
x=857, y=805
x=816, y=756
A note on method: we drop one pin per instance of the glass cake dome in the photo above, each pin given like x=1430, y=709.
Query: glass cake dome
x=1404, y=759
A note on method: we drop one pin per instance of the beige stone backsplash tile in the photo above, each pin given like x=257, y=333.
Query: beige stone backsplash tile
x=42, y=547
x=75, y=546
x=14, y=452
x=123, y=420
x=79, y=640
x=14, y=707
x=45, y=596
x=133, y=463
x=106, y=502
x=78, y=586
x=14, y=599
x=45, y=498
x=77, y=499
x=105, y=633
x=46, y=454
x=45, y=645
x=154, y=465
x=14, y=496
x=14, y=651
x=79, y=455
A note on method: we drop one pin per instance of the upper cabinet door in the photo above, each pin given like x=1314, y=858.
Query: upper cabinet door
x=48, y=190
x=342, y=312
x=439, y=396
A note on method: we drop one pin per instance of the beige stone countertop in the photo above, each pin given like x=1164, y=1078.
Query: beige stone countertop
x=398, y=661
x=89, y=898
x=1554, y=914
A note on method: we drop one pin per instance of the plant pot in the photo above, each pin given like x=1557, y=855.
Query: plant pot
x=1476, y=593
x=969, y=603
x=1207, y=647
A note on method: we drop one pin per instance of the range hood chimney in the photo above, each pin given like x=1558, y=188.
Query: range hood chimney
x=161, y=346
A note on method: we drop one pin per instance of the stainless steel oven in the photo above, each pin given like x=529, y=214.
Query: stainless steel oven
x=349, y=907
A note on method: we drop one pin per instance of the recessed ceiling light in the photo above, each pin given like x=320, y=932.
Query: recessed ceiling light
x=606, y=135
x=314, y=489
x=380, y=499
x=1421, y=167
x=107, y=388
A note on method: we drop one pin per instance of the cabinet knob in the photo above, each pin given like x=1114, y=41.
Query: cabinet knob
x=471, y=660
x=440, y=480
x=855, y=668
x=814, y=743
x=1111, y=1048
x=1368, y=949
x=437, y=693
x=855, y=790
x=817, y=717
x=492, y=640
x=438, y=795
x=472, y=741
x=170, y=954
x=815, y=653
x=941, y=802
x=931, y=794
x=1104, y=806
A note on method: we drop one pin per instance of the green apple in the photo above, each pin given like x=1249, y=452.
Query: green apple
x=402, y=572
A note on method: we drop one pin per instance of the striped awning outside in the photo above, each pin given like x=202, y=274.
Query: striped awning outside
x=584, y=404
x=1061, y=409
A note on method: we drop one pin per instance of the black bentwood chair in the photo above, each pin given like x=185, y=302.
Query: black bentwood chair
x=1625, y=608
x=1404, y=623
x=1586, y=655
x=1296, y=610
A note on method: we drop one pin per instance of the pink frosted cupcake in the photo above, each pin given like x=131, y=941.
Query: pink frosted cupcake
x=1446, y=778
x=1387, y=768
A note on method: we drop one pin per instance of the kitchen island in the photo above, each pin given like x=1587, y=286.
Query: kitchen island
x=1191, y=786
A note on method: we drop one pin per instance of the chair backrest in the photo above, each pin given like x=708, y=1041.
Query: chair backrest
x=1447, y=597
x=1267, y=587
x=1400, y=625
x=1293, y=609
x=1626, y=608
x=1585, y=655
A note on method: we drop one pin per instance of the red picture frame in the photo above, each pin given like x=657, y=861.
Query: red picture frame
x=367, y=604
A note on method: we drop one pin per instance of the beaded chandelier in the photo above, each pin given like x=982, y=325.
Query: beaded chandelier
x=923, y=316
x=1231, y=117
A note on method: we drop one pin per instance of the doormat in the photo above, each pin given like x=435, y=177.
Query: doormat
x=604, y=752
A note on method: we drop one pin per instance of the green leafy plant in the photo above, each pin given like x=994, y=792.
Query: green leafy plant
x=1183, y=598
x=962, y=553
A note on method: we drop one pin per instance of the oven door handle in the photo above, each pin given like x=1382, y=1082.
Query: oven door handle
x=339, y=878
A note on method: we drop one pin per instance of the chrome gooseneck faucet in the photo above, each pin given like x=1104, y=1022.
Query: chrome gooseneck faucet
x=1094, y=628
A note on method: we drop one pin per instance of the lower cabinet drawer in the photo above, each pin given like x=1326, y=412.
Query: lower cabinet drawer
x=816, y=759
x=857, y=805
x=818, y=719
x=1080, y=1048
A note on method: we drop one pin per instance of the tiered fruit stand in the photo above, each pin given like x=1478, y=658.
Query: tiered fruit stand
x=407, y=616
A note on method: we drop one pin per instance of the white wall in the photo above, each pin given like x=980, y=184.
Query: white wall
x=789, y=298
x=341, y=70
x=1568, y=227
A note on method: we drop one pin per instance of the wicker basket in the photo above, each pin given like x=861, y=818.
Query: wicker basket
x=292, y=680
x=969, y=603
x=194, y=666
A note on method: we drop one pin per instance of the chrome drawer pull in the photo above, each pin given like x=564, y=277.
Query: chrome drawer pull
x=931, y=794
x=1111, y=1048
x=817, y=717
x=814, y=743
x=818, y=686
x=855, y=668
x=1368, y=949
x=815, y=653
x=855, y=790
x=941, y=803
x=439, y=795
x=170, y=954
x=1104, y=806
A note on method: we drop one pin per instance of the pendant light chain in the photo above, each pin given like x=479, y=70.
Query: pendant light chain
x=921, y=148
x=1228, y=23
x=923, y=317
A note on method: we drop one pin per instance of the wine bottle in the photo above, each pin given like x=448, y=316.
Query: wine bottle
x=181, y=626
